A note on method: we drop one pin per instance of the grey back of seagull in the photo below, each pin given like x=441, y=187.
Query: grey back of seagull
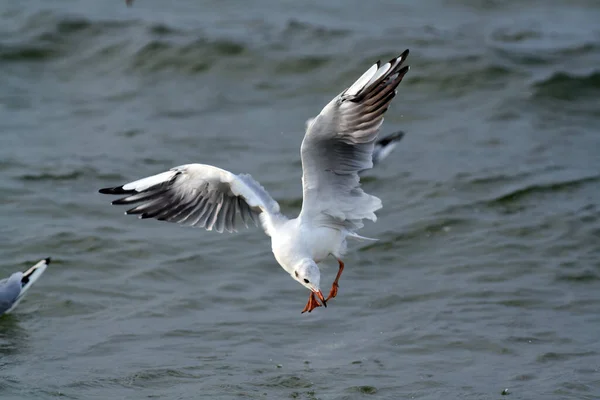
x=10, y=288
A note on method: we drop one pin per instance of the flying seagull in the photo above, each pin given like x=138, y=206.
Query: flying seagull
x=338, y=144
x=13, y=288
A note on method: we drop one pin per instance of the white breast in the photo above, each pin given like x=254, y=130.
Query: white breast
x=294, y=242
x=322, y=242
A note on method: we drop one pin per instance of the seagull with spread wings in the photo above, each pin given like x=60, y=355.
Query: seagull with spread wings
x=338, y=144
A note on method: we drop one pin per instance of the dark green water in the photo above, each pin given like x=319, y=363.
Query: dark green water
x=487, y=272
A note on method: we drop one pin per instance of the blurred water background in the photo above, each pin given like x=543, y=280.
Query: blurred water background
x=487, y=273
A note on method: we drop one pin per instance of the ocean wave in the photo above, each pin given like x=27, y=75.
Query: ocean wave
x=199, y=55
x=196, y=56
x=296, y=28
x=520, y=194
x=466, y=74
x=532, y=56
x=26, y=52
x=568, y=86
x=80, y=45
x=71, y=175
x=150, y=47
x=436, y=226
x=46, y=36
x=578, y=276
x=301, y=64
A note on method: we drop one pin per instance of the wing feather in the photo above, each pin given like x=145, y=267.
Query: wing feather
x=197, y=195
x=339, y=144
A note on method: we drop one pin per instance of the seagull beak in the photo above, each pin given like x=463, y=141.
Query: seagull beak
x=321, y=297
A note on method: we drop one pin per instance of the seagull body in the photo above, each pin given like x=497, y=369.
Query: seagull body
x=338, y=144
x=13, y=288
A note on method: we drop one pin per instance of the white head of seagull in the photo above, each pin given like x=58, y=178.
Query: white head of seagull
x=338, y=144
x=308, y=275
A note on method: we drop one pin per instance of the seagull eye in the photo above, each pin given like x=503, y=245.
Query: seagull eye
x=306, y=281
x=296, y=273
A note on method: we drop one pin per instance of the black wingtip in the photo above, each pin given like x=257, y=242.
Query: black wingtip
x=48, y=259
x=403, y=71
x=121, y=201
x=392, y=137
x=401, y=57
x=113, y=190
x=396, y=135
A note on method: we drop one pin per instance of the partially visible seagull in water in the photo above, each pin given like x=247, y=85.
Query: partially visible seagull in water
x=13, y=288
x=338, y=144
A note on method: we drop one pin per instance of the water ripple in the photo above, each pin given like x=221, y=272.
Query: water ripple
x=568, y=86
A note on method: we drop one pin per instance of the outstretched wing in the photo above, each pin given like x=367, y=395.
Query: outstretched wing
x=339, y=144
x=197, y=195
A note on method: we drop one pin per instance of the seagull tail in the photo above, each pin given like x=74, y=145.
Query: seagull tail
x=356, y=236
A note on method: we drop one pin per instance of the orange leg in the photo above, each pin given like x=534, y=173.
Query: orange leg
x=312, y=303
x=335, y=286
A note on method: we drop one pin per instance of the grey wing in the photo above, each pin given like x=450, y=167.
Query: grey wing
x=197, y=195
x=10, y=289
x=383, y=147
x=339, y=144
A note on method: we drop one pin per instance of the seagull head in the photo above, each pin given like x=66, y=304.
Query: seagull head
x=307, y=273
